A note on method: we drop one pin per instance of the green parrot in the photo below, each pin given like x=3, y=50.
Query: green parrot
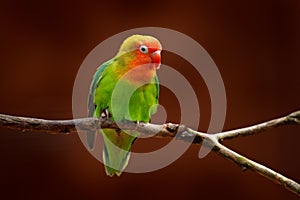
x=125, y=88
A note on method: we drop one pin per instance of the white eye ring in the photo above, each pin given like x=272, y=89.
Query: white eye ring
x=144, y=49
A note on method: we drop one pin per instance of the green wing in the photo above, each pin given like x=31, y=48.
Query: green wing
x=157, y=87
x=91, y=104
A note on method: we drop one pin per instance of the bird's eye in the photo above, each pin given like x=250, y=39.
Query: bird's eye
x=144, y=49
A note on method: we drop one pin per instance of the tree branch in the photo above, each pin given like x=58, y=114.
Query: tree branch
x=246, y=163
x=169, y=130
x=293, y=118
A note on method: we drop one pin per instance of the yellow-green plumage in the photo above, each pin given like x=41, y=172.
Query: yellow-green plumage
x=126, y=87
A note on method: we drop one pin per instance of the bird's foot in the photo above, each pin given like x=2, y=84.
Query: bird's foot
x=137, y=124
x=105, y=114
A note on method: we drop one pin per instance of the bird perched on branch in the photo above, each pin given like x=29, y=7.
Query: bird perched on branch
x=125, y=88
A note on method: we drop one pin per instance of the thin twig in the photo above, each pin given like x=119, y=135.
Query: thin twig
x=293, y=118
x=168, y=130
x=246, y=163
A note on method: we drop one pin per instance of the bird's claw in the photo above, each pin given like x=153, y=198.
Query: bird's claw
x=105, y=114
x=137, y=124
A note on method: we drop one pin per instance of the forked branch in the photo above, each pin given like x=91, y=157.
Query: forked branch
x=180, y=132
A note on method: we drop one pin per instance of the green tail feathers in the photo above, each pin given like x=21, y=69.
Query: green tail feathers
x=116, y=153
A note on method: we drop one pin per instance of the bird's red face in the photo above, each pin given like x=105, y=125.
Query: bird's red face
x=141, y=55
x=148, y=52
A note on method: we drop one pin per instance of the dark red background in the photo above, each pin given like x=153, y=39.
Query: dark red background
x=255, y=44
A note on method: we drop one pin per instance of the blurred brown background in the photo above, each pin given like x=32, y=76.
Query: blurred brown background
x=255, y=44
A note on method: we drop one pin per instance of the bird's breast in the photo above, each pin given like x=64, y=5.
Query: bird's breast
x=140, y=75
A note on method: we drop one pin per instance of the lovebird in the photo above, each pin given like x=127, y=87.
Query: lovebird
x=125, y=88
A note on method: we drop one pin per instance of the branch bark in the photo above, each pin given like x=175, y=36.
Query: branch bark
x=169, y=130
